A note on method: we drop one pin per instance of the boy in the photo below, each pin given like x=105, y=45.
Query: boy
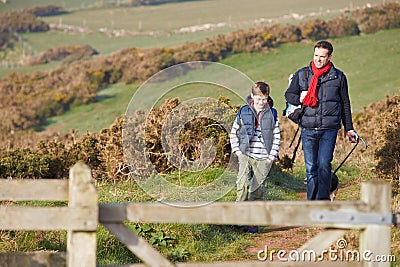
x=255, y=140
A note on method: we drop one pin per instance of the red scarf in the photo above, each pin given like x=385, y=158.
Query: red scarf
x=311, y=98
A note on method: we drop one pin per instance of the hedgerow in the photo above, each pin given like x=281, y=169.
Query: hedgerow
x=63, y=53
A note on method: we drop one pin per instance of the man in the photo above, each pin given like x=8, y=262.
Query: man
x=322, y=89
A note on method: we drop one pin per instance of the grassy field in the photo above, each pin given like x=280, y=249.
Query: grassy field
x=371, y=63
x=67, y=4
x=158, y=26
x=149, y=26
x=169, y=17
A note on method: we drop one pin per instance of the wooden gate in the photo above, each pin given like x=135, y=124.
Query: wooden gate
x=79, y=218
x=371, y=214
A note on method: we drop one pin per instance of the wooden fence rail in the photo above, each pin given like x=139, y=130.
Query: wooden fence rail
x=79, y=218
x=371, y=215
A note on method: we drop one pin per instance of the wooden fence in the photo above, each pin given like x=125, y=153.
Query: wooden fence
x=371, y=215
x=79, y=218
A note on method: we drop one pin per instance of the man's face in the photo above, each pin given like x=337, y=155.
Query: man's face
x=260, y=101
x=321, y=57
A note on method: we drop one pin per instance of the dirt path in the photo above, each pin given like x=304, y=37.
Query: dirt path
x=278, y=238
x=281, y=238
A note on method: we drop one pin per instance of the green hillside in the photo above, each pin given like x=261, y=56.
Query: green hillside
x=113, y=28
x=368, y=82
x=78, y=84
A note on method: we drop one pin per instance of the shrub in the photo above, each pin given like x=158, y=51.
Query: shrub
x=314, y=29
x=63, y=53
x=23, y=163
x=380, y=125
x=111, y=159
x=7, y=40
x=43, y=11
x=191, y=135
x=373, y=19
x=103, y=151
x=21, y=22
x=388, y=139
x=343, y=26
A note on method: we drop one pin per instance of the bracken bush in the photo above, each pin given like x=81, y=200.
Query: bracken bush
x=7, y=40
x=343, y=26
x=172, y=136
x=104, y=151
x=51, y=159
x=373, y=19
x=111, y=158
x=314, y=29
x=19, y=21
x=380, y=125
x=388, y=139
x=63, y=53
x=46, y=10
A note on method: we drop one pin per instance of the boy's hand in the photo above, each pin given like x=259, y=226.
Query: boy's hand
x=238, y=152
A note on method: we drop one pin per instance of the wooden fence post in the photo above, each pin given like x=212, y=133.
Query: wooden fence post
x=375, y=239
x=81, y=245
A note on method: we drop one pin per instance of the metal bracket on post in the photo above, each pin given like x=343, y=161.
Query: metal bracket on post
x=396, y=218
x=351, y=217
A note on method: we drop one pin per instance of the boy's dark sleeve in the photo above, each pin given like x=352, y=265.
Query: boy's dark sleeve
x=292, y=94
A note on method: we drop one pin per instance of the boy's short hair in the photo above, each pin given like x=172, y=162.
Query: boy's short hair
x=260, y=88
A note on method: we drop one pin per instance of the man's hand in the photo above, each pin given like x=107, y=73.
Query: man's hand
x=353, y=136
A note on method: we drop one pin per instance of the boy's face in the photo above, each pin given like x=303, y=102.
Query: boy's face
x=260, y=101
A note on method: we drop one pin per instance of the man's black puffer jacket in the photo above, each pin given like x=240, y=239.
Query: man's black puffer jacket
x=333, y=105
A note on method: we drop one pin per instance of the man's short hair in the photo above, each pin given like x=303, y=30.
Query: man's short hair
x=324, y=44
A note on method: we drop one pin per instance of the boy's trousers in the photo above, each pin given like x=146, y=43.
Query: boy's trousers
x=251, y=178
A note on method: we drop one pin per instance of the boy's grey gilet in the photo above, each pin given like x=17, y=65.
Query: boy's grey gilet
x=247, y=127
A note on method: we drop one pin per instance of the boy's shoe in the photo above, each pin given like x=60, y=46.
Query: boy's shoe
x=251, y=229
x=239, y=227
